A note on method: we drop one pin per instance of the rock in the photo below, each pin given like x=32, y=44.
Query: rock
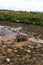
x=8, y=60
x=21, y=53
x=15, y=51
x=39, y=45
x=9, y=50
x=21, y=38
x=35, y=40
x=34, y=59
x=29, y=51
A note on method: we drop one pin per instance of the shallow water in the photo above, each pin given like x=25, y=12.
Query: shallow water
x=34, y=30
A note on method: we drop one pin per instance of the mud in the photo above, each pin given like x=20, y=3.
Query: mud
x=21, y=44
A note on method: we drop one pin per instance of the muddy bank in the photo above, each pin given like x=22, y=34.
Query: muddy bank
x=27, y=28
x=21, y=44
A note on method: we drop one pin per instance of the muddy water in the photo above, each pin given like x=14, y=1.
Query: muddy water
x=35, y=30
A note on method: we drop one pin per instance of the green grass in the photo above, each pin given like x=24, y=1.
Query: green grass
x=22, y=16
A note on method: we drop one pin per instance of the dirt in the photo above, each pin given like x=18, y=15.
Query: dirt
x=27, y=51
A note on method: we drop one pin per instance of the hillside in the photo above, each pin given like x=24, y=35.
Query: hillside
x=22, y=16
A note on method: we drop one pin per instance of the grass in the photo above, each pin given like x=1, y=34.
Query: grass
x=22, y=17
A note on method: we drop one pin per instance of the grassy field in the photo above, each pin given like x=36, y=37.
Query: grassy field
x=22, y=17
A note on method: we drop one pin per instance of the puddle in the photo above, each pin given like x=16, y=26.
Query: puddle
x=11, y=34
x=5, y=30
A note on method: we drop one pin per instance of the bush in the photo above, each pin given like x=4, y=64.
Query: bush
x=2, y=18
x=22, y=17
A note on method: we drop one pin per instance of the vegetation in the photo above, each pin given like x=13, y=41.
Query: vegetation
x=21, y=16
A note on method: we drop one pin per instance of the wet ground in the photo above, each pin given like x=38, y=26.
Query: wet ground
x=27, y=28
x=21, y=44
